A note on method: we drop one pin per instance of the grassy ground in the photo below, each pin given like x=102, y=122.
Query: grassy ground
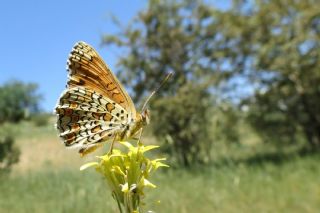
x=242, y=179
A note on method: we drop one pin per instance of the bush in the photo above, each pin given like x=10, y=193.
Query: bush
x=182, y=122
x=9, y=154
x=226, y=121
x=18, y=101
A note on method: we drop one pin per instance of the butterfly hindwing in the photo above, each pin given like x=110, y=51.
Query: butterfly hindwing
x=85, y=117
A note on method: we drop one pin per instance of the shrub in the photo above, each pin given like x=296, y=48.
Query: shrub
x=9, y=154
x=182, y=122
x=18, y=101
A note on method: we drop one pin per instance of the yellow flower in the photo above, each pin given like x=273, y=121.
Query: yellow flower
x=127, y=173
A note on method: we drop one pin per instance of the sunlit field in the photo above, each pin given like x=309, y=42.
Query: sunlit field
x=47, y=179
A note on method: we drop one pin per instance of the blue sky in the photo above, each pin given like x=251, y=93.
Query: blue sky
x=37, y=36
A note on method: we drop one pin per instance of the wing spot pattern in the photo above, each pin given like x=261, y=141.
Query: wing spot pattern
x=95, y=106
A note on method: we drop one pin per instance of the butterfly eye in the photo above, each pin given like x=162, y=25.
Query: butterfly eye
x=146, y=117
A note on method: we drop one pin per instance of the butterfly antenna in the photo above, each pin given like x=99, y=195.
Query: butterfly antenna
x=156, y=90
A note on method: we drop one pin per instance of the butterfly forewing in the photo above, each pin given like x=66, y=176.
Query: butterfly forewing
x=94, y=107
x=86, y=68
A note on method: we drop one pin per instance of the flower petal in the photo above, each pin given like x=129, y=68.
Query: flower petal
x=147, y=148
x=148, y=183
x=125, y=188
x=87, y=165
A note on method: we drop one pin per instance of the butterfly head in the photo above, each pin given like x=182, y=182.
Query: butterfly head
x=134, y=127
x=145, y=116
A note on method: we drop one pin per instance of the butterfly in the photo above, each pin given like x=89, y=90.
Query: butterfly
x=95, y=107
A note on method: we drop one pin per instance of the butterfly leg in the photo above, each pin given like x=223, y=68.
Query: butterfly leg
x=112, y=144
x=87, y=150
x=139, y=139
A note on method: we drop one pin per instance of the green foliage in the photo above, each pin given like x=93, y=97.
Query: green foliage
x=18, y=101
x=183, y=122
x=169, y=36
x=267, y=47
x=271, y=124
x=9, y=154
x=274, y=45
x=226, y=123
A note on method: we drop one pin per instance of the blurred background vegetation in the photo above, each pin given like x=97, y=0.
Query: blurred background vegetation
x=239, y=122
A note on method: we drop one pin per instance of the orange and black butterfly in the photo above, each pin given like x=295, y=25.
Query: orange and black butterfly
x=95, y=107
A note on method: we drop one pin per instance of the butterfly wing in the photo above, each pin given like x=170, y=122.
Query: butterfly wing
x=94, y=107
x=86, y=118
x=87, y=69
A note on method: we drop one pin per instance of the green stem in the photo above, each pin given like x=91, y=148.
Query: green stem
x=118, y=202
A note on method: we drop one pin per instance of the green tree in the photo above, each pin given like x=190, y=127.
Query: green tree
x=18, y=101
x=171, y=36
x=275, y=46
x=226, y=123
x=271, y=47
x=183, y=122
